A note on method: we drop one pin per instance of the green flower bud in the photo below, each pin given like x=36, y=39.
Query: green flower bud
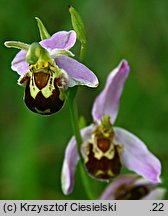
x=78, y=25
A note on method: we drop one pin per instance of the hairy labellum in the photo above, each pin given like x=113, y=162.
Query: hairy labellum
x=42, y=94
x=103, y=161
x=135, y=192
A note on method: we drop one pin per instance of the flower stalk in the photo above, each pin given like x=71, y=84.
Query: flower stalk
x=75, y=125
x=78, y=26
x=74, y=116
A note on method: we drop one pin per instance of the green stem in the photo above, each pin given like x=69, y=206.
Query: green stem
x=74, y=117
x=75, y=124
x=76, y=129
x=86, y=182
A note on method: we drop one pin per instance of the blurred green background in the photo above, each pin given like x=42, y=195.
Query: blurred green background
x=32, y=146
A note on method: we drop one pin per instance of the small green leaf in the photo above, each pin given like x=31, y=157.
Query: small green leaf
x=43, y=31
x=78, y=25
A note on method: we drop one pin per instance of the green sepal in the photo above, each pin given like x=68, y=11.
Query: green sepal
x=78, y=25
x=17, y=45
x=42, y=29
x=37, y=53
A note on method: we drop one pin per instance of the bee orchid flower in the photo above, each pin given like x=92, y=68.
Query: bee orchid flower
x=47, y=70
x=105, y=149
x=132, y=187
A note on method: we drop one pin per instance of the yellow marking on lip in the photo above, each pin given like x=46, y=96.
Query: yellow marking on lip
x=41, y=112
x=33, y=88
